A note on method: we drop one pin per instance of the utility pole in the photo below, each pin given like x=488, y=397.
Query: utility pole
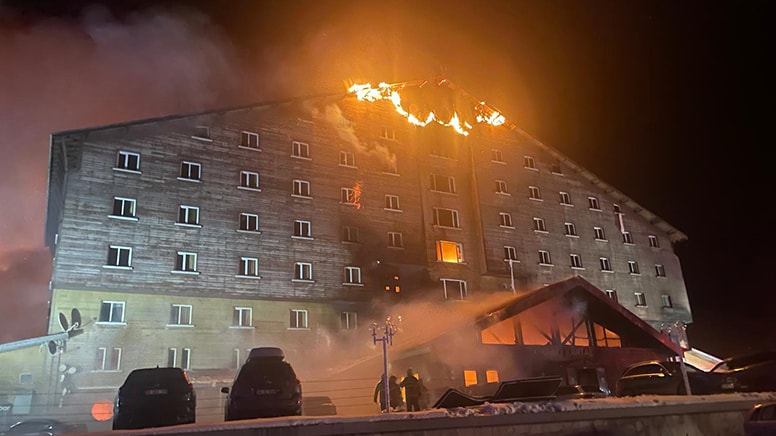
x=388, y=331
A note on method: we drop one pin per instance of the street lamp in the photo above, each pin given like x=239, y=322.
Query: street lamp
x=388, y=331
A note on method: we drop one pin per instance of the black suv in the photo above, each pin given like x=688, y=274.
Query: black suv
x=154, y=397
x=266, y=386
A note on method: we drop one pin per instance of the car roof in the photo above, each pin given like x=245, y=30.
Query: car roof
x=266, y=352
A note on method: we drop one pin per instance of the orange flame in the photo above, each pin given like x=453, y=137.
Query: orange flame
x=385, y=91
x=357, y=195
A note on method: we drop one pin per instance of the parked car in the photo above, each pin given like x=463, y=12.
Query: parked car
x=760, y=420
x=656, y=377
x=43, y=427
x=751, y=372
x=154, y=397
x=578, y=392
x=265, y=386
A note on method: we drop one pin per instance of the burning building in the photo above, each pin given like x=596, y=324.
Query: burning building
x=189, y=239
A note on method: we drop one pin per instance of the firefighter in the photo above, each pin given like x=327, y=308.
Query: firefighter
x=411, y=387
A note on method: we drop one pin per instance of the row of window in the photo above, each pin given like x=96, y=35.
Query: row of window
x=575, y=261
x=641, y=299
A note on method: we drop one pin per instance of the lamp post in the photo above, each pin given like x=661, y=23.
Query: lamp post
x=388, y=331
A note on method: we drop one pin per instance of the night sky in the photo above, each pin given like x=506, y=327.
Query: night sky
x=666, y=101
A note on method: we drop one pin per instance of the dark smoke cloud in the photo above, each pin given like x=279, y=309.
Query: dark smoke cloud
x=24, y=277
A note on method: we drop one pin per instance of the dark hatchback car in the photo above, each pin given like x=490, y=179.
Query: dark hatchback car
x=265, y=386
x=43, y=427
x=751, y=372
x=664, y=378
x=155, y=397
x=760, y=420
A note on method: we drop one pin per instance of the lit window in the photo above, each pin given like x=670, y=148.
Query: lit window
x=188, y=215
x=501, y=187
x=347, y=159
x=571, y=229
x=449, y=252
x=660, y=271
x=302, y=229
x=633, y=267
x=303, y=271
x=544, y=257
x=454, y=289
x=627, y=238
x=180, y=314
x=496, y=156
x=387, y=133
x=599, y=233
x=108, y=360
x=300, y=149
x=349, y=196
x=539, y=226
x=249, y=180
x=186, y=358
x=348, y=320
x=128, y=161
x=111, y=312
x=350, y=234
x=242, y=317
x=124, y=207
x=186, y=262
x=190, y=171
x=666, y=299
x=392, y=202
x=442, y=183
x=576, y=261
x=249, y=222
x=446, y=218
x=236, y=362
x=529, y=162
x=301, y=188
x=249, y=267
x=298, y=319
x=534, y=193
x=641, y=301
x=201, y=132
x=505, y=219
x=653, y=242
x=119, y=256
x=611, y=293
x=469, y=377
x=592, y=203
x=353, y=275
x=605, y=264
x=249, y=140
x=395, y=240
x=565, y=199
x=491, y=376
x=510, y=253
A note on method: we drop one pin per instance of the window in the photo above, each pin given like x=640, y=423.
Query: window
x=302, y=229
x=555, y=168
x=201, y=132
x=544, y=257
x=249, y=180
x=124, y=207
x=529, y=162
x=571, y=229
x=496, y=155
x=25, y=378
x=172, y=357
x=592, y=203
x=236, y=362
x=301, y=188
x=392, y=202
x=510, y=253
x=350, y=234
x=242, y=317
x=451, y=252
x=454, y=289
x=666, y=299
x=538, y=224
x=249, y=222
x=653, y=242
x=390, y=167
x=395, y=240
x=186, y=262
x=599, y=234
x=249, y=267
x=660, y=271
x=505, y=219
x=348, y=320
x=387, y=133
x=120, y=257
x=576, y=261
x=491, y=376
x=347, y=159
x=111, y=312
x=353, y=275
x=534, y=193
x=605, y=264
x=641, y=301
x=188, y=215
x=442, y=183
x=565, y=199
x=128, y=161
x=249, y=140
x=446, y=218
x=108, y=359
x=180, y=314
x=350, y=196
x=633, y=267
x=501, y=187
x=300, y=149
x=298, y=319
x=190, y=171
x=469, y=377
x=627, y=238
x=303, y=271
x=616, y=208
x=611, y=293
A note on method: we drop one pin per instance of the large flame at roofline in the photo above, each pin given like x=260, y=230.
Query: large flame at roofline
x=482, y=113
